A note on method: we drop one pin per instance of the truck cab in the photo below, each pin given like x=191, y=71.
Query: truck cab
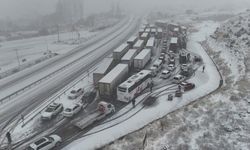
x=158, y=64
x=105, y=108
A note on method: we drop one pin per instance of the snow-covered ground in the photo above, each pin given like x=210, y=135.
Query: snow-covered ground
x=23, y=132
x=205, y=82
x=218, y=121
x=34, y=48
x=29, y=76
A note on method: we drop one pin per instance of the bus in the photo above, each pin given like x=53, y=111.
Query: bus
x=134, y=85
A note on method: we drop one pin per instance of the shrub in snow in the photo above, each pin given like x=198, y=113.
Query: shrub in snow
x=234, y=98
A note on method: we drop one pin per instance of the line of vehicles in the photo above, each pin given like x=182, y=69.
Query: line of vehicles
x=55, y=108
x=112, y=77
x=137, y=54
x=123, y=77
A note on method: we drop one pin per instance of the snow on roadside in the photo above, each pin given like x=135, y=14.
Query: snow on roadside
x=168, y=129
x=218, y=121
x=34, y=124
x=34, y=48
x=206, y=82
x=235, y=62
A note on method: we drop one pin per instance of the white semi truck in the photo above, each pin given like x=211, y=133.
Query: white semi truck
x=103, y=109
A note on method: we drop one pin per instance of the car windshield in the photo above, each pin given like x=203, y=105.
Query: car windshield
x=50, y=109
x=122, y=89
x=68, y=110
x=73, y=92
x=50, y=139
x=40, y=141
x=176, y=78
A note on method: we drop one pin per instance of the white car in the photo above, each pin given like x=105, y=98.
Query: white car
x=75, y=93
x=171, y=67
x=171, y=61
x=165, y=74
x=72, y=110
x=51, y=111
x=46, y=143
x=158, y=64
x=184, y=67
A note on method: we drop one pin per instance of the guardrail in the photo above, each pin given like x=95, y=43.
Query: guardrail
x=8, y=97
x=62, y=91
x=31, y=116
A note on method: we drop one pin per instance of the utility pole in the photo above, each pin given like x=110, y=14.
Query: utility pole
x=58, y=33
x=17, y=56
x=82, y=9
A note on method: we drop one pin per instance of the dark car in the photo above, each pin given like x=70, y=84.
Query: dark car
x=178, y=93
x=150, y=101
x=88, y=97
x=187, y=86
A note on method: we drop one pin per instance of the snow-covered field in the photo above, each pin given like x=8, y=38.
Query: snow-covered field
x=34, y=48
x=85, y=81
x=218, y=121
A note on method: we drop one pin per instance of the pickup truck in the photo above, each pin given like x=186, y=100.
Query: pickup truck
x=103, y=109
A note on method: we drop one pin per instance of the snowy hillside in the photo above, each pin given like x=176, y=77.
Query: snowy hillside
x=218, y=121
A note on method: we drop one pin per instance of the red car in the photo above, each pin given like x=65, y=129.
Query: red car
x=187, y=86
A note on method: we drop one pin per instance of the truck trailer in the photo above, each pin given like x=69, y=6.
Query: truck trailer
x=150, y=44
x=109, y=82
x=173, y=44
x=105, y=66
x=128, y=58
x=120, y=51
x=139, y=45
x=131, y=41
x=142, y=59
x=145, y=36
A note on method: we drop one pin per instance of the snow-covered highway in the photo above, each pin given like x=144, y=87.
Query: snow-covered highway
x=17, y=83
x=28, y=100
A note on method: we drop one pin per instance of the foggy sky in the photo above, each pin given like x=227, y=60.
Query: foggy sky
x=32, y=8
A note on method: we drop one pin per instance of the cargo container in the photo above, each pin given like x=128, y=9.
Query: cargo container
x=142, y=59
x=141, y=30
x=153, y=32
x=131, y=41
x=139, y=45
x=176, y=32
x=128, y=58
x=173, y=44
x=120, y=51
x=150, y=44
x=159, y=33
x=172, y=26
x=105, y=66
x=147, y=30
x=107, y=85
x=144, y=36
x=161, y=23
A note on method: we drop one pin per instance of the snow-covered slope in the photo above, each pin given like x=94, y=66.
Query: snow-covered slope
x=205, y=83
x=217, y=121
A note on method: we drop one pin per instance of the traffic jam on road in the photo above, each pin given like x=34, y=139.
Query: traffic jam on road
x=153, y=58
